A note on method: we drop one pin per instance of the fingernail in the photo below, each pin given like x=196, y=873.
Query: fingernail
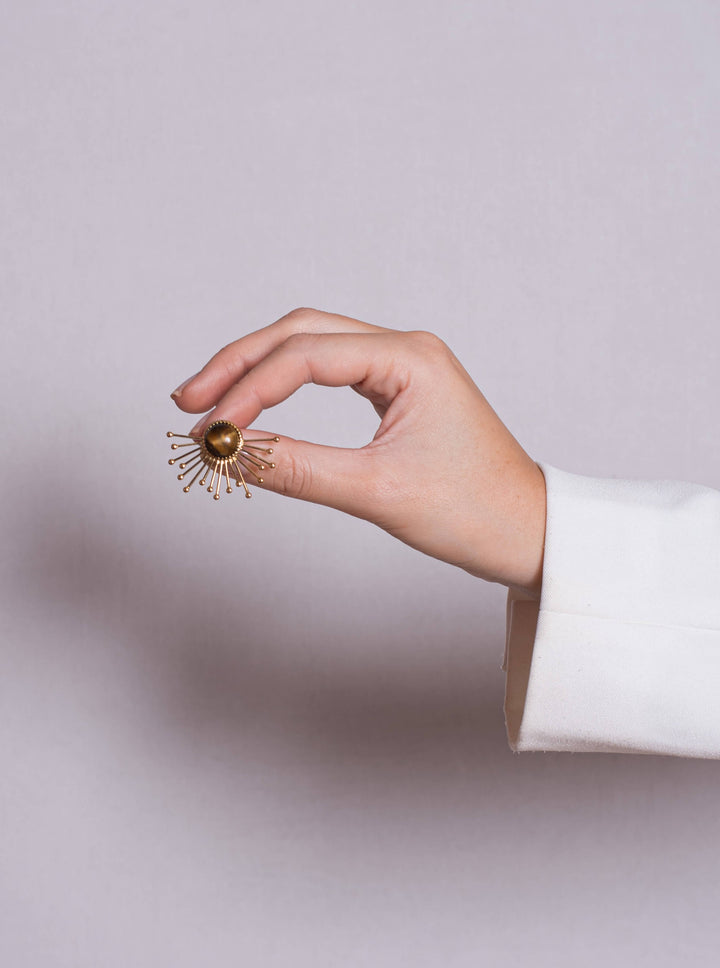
x=178, y=391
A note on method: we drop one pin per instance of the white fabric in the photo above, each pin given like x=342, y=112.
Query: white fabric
x=621, y=653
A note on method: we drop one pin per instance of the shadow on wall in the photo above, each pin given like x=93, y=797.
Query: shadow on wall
x=209, y=669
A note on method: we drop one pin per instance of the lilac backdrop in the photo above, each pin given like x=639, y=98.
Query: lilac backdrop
x=259, y=733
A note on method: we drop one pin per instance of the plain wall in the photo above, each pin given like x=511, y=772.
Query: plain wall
x=261, y=733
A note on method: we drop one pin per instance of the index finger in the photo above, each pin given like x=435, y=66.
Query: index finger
x=326, y=359
x=233, y=361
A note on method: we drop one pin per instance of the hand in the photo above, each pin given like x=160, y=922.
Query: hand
x=442, y=473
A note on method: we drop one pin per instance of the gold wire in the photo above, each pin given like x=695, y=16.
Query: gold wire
x=252, y=459
x=242, y=479
x=197, y=474
x=190, y=465
x=249, y=470
x=189, y=458
x=182, y=457
x=263, y=450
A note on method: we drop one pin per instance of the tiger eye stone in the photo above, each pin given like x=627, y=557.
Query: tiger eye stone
x=222, y=439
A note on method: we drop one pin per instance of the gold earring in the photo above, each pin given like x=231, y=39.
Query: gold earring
x=222, y=449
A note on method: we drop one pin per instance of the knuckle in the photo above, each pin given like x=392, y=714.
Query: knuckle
x=302, y=318
x=294, y=477
x=225, y=353
x=428, y=342
x=229, y=365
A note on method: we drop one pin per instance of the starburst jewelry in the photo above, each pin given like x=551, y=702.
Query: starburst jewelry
x=222, y=449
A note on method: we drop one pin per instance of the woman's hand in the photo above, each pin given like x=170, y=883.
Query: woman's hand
x=442, y=473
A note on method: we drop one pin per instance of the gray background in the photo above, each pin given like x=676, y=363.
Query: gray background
x=260, y=733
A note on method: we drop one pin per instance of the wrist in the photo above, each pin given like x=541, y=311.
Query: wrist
x=527, y=569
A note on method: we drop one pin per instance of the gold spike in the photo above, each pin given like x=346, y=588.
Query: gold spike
x=189, y=453
x=250, y=458
x=263, y=450
x=190, y=464
x=189, y=458
x=256, y=460
x=181, y=477
x=248, y=469
x=242, y=481
x=197, y=474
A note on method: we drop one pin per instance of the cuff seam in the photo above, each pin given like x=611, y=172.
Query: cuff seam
x=621, y=620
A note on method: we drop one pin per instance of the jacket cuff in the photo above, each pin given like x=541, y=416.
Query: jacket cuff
x=621, y=653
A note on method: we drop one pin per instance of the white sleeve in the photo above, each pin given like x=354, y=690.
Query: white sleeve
x=621, y=652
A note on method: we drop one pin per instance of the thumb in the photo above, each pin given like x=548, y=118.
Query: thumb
x=337, y=477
